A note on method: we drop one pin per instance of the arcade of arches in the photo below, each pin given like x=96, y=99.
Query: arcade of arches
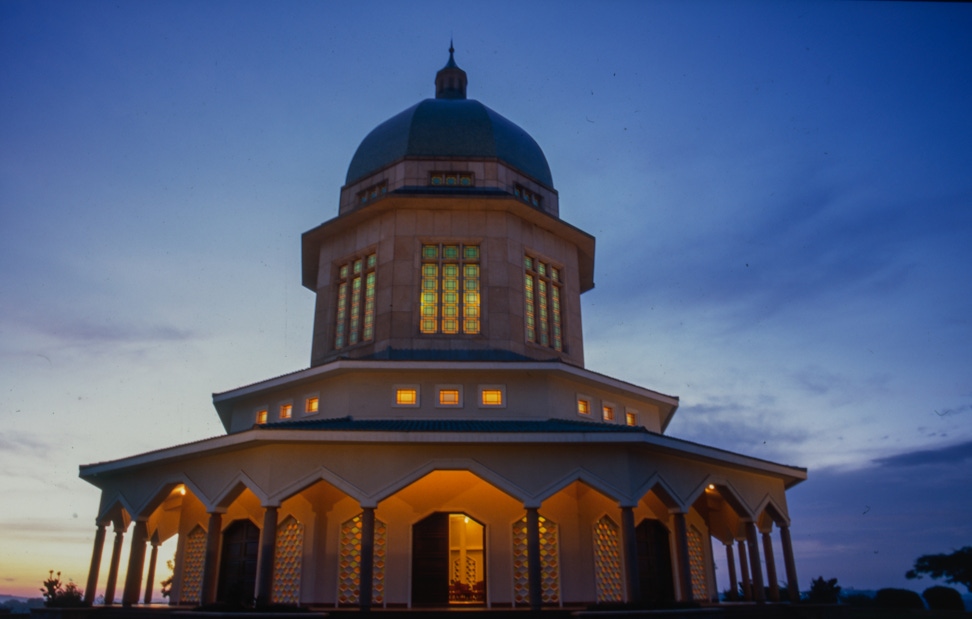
x=448, y=537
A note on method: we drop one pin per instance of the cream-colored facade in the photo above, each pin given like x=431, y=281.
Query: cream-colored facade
x=446, y=446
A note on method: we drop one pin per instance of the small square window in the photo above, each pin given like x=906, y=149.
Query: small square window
x=261, y=416
x=449, y=396
x=607, y=412
x=583, y=406
x=631, y=418
x=311, y=404
x=407, y=396
x=492, y=396
x=286, y=410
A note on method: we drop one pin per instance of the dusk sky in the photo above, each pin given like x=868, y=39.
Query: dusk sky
x=781, y=195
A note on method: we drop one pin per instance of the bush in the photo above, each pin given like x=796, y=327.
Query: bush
x=898, y=598
x=59, y=595
x=860, y=600
x=943, y=598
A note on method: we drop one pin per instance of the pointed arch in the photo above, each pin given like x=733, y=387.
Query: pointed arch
x=321, y=474
x=727, y=491
x=581, y=475
x=451, y=464
x=663, y=490
x=771, y=509
x=116, y=511
x=234, y=488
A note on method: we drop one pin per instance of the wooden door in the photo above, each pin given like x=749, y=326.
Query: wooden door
x=430, y=561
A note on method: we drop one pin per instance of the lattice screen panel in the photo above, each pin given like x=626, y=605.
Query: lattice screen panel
x=607, y=561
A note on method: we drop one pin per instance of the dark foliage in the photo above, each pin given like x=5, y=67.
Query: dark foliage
x=955, y=568
x=823, y=591
x=859, y=600
x=943, y=598
x=898, y=598
x=59, y=595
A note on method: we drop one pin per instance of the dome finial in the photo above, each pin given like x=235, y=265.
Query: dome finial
x=450, y=81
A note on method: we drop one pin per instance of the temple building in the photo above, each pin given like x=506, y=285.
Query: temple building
x=447, y=445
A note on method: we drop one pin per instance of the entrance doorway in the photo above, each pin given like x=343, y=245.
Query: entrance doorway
x=448, y=561
x=657, y=582
x=238, y=563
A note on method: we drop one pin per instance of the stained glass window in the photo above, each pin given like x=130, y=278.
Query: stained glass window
x=406, y=396
x=451, y=179
x=355, y=312
x=491, y=397
x=449, y=300
x=543, y=311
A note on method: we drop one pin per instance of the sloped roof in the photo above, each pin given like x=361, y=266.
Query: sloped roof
x=451, y=425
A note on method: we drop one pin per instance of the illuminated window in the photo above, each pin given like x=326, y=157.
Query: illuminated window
x=311, y=404
x=450, y=396
x=451, y=179
x=286, y=411
x=261, y=416
x=450, y=298
x=607, y=412
x=492, y=396
x=583, y=406
x=631, y=418
x=542, y=291
x=406, y=395
x=355, y=312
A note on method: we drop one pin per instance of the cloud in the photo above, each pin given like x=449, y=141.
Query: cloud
x=952, y=455
x=24, y=443
x=753, y=428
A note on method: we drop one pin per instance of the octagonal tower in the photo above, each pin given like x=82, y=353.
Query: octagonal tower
x=448, y=244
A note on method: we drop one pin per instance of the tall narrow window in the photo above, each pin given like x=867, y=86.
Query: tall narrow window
x=542, y=285
x=355, y=315
x=450, y=296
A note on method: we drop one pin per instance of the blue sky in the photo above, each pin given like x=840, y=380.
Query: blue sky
x=780, y=193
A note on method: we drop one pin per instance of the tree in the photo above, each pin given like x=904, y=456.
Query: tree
x=955, y=568
x=823, y=591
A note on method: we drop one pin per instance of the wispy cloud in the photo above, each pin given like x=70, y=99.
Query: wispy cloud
x=951, y=455
x=24, y=443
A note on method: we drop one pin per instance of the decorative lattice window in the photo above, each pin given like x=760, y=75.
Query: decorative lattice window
x=287, y=559
x=373, y=192
x=452, y=179
x=697, y=564
x=193, y=558
x=607, y=560
x=349, y=562
x=526, y=195
x=450, y=297
x=549, y=562
x=355, y=312
x=542, y=284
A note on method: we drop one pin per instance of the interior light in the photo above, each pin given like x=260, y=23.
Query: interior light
x=711, y=487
